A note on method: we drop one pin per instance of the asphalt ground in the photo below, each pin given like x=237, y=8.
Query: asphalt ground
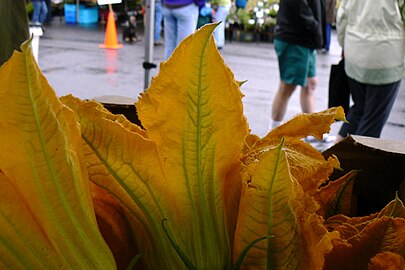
x=73, y=63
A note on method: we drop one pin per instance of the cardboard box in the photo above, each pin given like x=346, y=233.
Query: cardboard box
x=382, y=170
x=120, y=105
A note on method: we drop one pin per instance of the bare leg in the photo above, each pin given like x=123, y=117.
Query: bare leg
x=281, y=99
x=307, y=96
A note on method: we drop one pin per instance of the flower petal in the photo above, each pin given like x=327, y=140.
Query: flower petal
x=41, y=152
x=196, y=119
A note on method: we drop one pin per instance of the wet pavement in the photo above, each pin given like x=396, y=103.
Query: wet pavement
x=73, y=63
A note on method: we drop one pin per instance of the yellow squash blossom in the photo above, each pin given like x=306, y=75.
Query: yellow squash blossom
x=81, y=188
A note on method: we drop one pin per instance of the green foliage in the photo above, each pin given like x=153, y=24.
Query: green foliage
x=13, y=27
x=260, y=16
x=30, y=8
x=401, y=4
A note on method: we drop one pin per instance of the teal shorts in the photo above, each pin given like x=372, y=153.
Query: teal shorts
x=296, y=63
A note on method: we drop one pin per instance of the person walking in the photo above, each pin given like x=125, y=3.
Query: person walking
x=158, y=23
x=299, y=32
x=40, y=12
x=330, y=20
x=372, y=35
x=180, y=20
x=221, y=10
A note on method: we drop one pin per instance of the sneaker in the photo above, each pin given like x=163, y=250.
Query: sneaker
x=326, y=139
x=36, y=24
x=158, y=43
x=311, y=139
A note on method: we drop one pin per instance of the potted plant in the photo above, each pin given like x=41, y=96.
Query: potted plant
x=259, y=18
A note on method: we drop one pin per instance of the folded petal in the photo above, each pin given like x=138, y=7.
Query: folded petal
x=303, y=125
x=193, y=112
x=126, y=165
x=274, y=204
x=41, y=152
x=23, y=243
x=378, y=235
x=336, y=197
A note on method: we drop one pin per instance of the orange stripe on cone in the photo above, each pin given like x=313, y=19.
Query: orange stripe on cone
x=111, y=40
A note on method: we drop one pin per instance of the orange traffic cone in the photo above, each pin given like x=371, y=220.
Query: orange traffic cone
x=111, y=40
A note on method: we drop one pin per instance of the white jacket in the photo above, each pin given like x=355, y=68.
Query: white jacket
x=372, y=34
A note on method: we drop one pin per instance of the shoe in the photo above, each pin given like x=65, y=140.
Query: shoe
x=37, y=24
x=158, y=43
x=326, y=139
x=311, y=139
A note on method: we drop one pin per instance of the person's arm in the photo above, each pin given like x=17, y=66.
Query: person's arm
x=341, y=21
x=306, y=16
